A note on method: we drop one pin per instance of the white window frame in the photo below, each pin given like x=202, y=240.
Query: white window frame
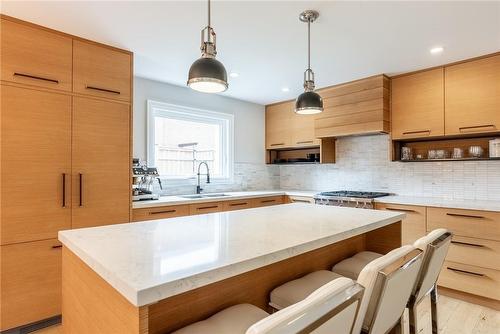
x=156, y=108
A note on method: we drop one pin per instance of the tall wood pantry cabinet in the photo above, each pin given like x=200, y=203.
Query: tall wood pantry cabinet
x=65, y=157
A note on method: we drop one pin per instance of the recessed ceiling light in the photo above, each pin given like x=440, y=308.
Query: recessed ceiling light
x=285, y=89
x=436, y=50
x=234, y=74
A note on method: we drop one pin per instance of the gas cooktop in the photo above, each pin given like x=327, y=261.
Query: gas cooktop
x=352, y=194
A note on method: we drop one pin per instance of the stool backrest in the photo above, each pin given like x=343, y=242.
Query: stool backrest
x=332, y=308
x=388, y=283
x=435, y=247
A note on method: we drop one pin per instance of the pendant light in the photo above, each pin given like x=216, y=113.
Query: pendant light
x=207, y=74
x=309, y=102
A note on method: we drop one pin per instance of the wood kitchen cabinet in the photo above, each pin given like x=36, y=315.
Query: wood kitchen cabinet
x=302, y=129
x=237, y=204
x=417, y=105
x=30, y=286
x=101, y=71
x=101, y=156
x=34, y=56
x=208, y=207
x=279, y=125
x=36, y=164
x=161, y=212
x=413, y=226
x=267, y=201
x=472, y=96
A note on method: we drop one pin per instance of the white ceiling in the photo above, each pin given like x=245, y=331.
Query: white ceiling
x=266, y=43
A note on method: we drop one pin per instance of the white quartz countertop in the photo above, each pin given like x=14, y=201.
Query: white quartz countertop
x=232, y=195
x=152, y=260
x=442, y=203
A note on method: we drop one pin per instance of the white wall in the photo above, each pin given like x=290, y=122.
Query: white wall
x=249, y=118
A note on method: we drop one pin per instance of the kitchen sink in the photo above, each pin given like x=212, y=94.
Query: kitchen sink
x=203, y=196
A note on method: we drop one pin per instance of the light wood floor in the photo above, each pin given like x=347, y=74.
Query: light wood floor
x=455, y=317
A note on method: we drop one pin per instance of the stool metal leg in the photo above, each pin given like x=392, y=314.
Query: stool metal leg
x=434, y=311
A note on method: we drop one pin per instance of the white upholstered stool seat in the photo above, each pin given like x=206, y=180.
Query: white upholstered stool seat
x=232, y=320
x=352, y=266
x=298, y=289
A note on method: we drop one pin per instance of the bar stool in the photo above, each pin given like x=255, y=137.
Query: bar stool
x=388, y=281
x=332, y=308
x=435, y=247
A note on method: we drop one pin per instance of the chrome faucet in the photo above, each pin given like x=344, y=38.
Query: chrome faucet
x=198, y=187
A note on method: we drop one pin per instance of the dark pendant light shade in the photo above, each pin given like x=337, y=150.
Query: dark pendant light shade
x=309, y=102
x=207, y=74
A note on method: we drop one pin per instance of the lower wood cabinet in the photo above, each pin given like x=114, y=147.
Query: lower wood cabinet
x=413, y=226
x=477, y=252
x=30, y=282
x=237, y=204
x=201, y=208
x=267, y=201
x=467, y=223
x=300, y=199
x=475, y=280
x=160, y=212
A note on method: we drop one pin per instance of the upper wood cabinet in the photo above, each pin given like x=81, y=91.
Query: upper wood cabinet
x=472, y=91
x=101, y=162
x=36, y=164
x=279, y=125
x=285, y=128
x=101, y=71
x=30, y=282
x=354, y=108
x=35, y=56
x=418, y=105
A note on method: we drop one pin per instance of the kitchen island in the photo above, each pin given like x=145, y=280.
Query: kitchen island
x=158, y=276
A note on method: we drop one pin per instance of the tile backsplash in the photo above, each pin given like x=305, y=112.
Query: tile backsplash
x=363, y=164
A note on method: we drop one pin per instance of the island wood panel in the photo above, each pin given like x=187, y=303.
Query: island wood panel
x=252, y=287
x=472, y=92
x=34, y=56
x=414, y=225
x=38, y=125
x=417, y=104
x=91, y=305
x=359, y=107
x=30, y=286
x=101, y=169
x=101, y=71
x=384, y=239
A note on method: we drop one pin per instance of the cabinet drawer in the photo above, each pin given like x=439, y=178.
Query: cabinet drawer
x=34, y=56
x=413, y=226
x=471, y=279
x=300, y=199
x=31, y=282
x=161, y=212
x=468, y=223
x=237, y=205
x=197, y=209
x=267, y=201
x=101, y=71
x=476, y=252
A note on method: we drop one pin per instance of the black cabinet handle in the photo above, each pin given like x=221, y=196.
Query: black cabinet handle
x=29, y=76
x=208, y=207
x=467, y=244
x=464, y=216
x=80, y=189
x=477, y=127
x=238, y=204
x=57, y=246
x=268, y=201
x=402, y=210
x=103, y=90
x=64, y=190
x=278, y=144
x=165, y=211
x=415, y=132
x=465, y=272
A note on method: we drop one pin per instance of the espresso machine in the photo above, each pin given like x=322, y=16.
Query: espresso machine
x=143, y=179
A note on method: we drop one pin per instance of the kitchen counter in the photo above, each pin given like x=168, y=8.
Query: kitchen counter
x=442, y=203
x=149, y=261
x=178, y=200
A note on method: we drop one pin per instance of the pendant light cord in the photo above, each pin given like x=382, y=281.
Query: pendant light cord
x=208, y=13
x=309, y=44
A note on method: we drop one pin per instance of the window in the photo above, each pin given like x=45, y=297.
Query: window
x=180, y=138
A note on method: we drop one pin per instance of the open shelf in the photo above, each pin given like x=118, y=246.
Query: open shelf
x=325, y=151
x=422, y=146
